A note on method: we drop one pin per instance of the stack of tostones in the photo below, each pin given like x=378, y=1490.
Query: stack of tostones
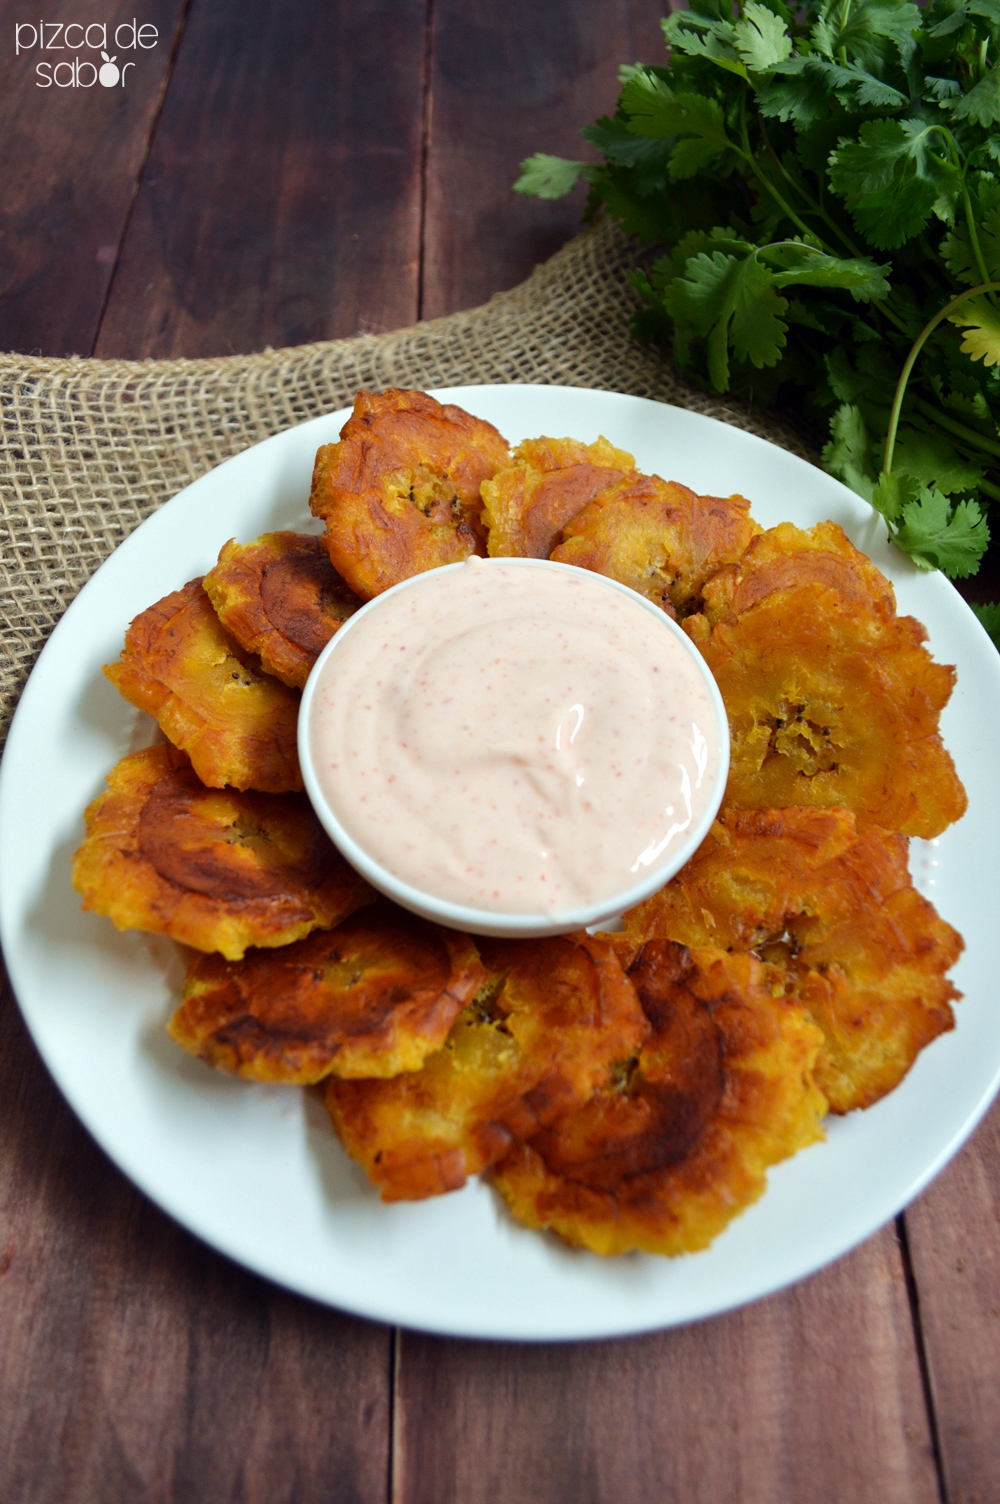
x=373, y=997
x=281, y=599
x=527, y=504
x=832, y=698
x=678, y=1142
x=835, y=914
x=237, y=725
x=400, y=492
x=559, y=1015
x=628, y=1091
x=213, y=868
x=659, y=538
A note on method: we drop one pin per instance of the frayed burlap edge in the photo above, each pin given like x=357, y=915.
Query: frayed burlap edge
x=89, y=448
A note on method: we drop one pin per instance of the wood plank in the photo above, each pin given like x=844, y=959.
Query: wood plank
x=954, y=1240
x=814, y=1394
x=281, y=201
x=509, y=80
x=138, y=1365
x=71, y=157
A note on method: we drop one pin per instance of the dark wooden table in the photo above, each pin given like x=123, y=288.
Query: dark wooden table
x=271, y=174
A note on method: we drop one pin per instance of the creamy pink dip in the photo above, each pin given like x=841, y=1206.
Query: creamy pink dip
x=516, y=739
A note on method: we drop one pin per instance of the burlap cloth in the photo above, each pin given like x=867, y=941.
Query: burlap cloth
x=90, y=448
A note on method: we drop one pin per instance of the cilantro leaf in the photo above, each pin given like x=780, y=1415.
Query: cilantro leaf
x=855, y=86
x=989, y=616
x=618, y=144
x=958, y=255
x=982, y=103
x=953, y=22
x=847, y=456
x=543, y=176
x=729, y=300
x=893, y=179
x=892, y=493
x=666, y=268
x=712, y=40
x=861, y=31
x=937, y=537
x=941, y=90
x=981, y=321
x=795, y=262
x=802, y=97
x=930, y=459
x=866, y=383
x=656, y=110
x=761, y=38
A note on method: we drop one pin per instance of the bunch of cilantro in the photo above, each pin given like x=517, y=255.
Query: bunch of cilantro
x=828, y=182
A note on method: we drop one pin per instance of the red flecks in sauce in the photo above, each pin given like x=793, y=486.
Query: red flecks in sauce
x=539, y=742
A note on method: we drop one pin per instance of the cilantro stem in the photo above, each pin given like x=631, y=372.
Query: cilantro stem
x=815, y=206
x=751, y=160
x=911, y=360
x=885, y=307
x=970, y=220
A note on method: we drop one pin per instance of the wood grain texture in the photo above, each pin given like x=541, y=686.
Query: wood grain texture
x=814, y=1394
x=71, y=157
x=281, y=200
x=954, y=1241
x=136, y=1364
x=508, y=80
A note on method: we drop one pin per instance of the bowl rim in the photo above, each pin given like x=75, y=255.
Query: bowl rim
x=489, y=921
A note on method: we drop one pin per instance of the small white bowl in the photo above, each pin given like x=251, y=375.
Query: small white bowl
x=490, y=922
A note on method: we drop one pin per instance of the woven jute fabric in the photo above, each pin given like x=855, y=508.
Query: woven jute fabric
x=89, y=448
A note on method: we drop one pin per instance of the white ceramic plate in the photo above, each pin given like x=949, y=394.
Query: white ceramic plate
x=256, y=1171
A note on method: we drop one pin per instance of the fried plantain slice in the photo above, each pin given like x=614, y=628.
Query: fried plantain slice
x=832, y=698
x=282, y=599
x=373, y=997
x=527, y=504
x=213, y=868
x=535, y=1042
x=400, y=492
x=237, y=725
x=658, y=537
x=674, y=1147
x=836, y=913
x=788, y=555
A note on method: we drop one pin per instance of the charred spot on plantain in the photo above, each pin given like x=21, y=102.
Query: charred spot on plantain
x=794, y=734
x=484, y=1007
x=621, y=1075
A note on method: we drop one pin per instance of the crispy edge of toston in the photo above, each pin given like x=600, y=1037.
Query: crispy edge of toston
x=238, y=726
x=372, y=998
x=669, y=1153
x=835, y=912
x=215, y=869
x=400, y=492
x=527, y=504
x=833, y=700
x=536, y=1041
x=281, y=599
x=659, y=537
x=789, y=555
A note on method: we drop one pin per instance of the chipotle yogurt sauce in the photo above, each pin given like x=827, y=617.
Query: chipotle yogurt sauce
x=514, y=738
